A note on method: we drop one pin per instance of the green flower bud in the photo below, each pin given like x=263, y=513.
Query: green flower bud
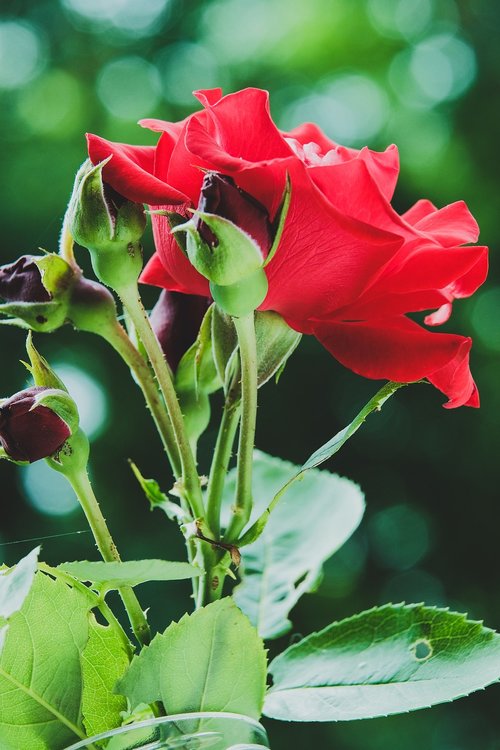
x=108, y=225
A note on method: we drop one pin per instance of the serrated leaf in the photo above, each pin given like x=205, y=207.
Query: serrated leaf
x=314, y=519
x=15, y=584
x=212, y=660
x=388, y=660
x=115, y=575
x=322, y=454
x=40, y=668
x=104, y=660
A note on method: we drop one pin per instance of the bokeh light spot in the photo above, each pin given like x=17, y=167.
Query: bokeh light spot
x=52, y=105
x=21, y=54
x=414, y=586
x=485, y=318
x=399, y=537
x=351, y=109
x=129, y=87
x=395, y=18
x=185, y=67
x=89, y=396
x=128, y=16
x=443, y=66
x=46, y=490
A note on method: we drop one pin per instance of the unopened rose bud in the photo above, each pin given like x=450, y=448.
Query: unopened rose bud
x=108, y=225
x=176, y=320
x=220, y=196
x=229, y=240
x=29, y=430
x=36, y=291
x=21, y=281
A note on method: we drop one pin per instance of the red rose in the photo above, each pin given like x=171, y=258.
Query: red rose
x=348, y=268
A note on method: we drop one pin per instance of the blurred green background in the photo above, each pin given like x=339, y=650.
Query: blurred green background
x=421, y=73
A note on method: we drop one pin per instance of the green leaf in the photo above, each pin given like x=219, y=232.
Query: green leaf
x=41, y=670
x=104, y=660
x=314, y=519
x=335, y=444
x=212, y=660
x=322, y=454
x=15, y=584
x=157, y=498
x=114, y=575
x=388, y=660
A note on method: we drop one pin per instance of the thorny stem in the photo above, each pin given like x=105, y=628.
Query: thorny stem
x=80, y=482
x=245, y=329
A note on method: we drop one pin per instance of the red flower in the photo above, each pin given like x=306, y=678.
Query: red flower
x=348, y=268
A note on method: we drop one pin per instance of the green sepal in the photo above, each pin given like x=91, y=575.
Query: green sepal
x=41, y=371
x=37, y=316
x=174, y=220
x=111, y=231
x=95, y=220
x=57, y=275
x=61, y=403
x=275, y=342
x=57, y=278
x=235, y=257
x=73, y=455
x=157, y=498
x=280, y=218
x=197, y=370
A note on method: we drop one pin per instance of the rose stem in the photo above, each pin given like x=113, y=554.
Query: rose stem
x=117, y=337
x=222, y=454
x=245, y=329
x=80, y=482
x=191, y=487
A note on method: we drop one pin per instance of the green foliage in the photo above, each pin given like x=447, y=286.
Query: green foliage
x=41, y=693
x=115, y=575
x=212, y=660
x=387, y=660
x=157, y=498
x=104, y=660
x=316, y=516
x=15, y=584
x=318, y=457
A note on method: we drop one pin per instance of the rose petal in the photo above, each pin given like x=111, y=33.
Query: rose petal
x=398, y=349
x=450, y=225
x=130, y=171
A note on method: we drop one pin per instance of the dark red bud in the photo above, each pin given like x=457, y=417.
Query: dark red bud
x=28, y=434
x=21, y=281
x=176, y=320
x=220, y=195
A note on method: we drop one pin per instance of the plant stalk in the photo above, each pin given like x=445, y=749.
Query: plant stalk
x=80, y=482
x=191, y=487
x=245, y=329
x=117, y=337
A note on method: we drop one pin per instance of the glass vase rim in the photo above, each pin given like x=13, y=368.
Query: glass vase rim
x=158, y=720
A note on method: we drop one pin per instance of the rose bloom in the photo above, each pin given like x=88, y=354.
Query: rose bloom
x=348, y=268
